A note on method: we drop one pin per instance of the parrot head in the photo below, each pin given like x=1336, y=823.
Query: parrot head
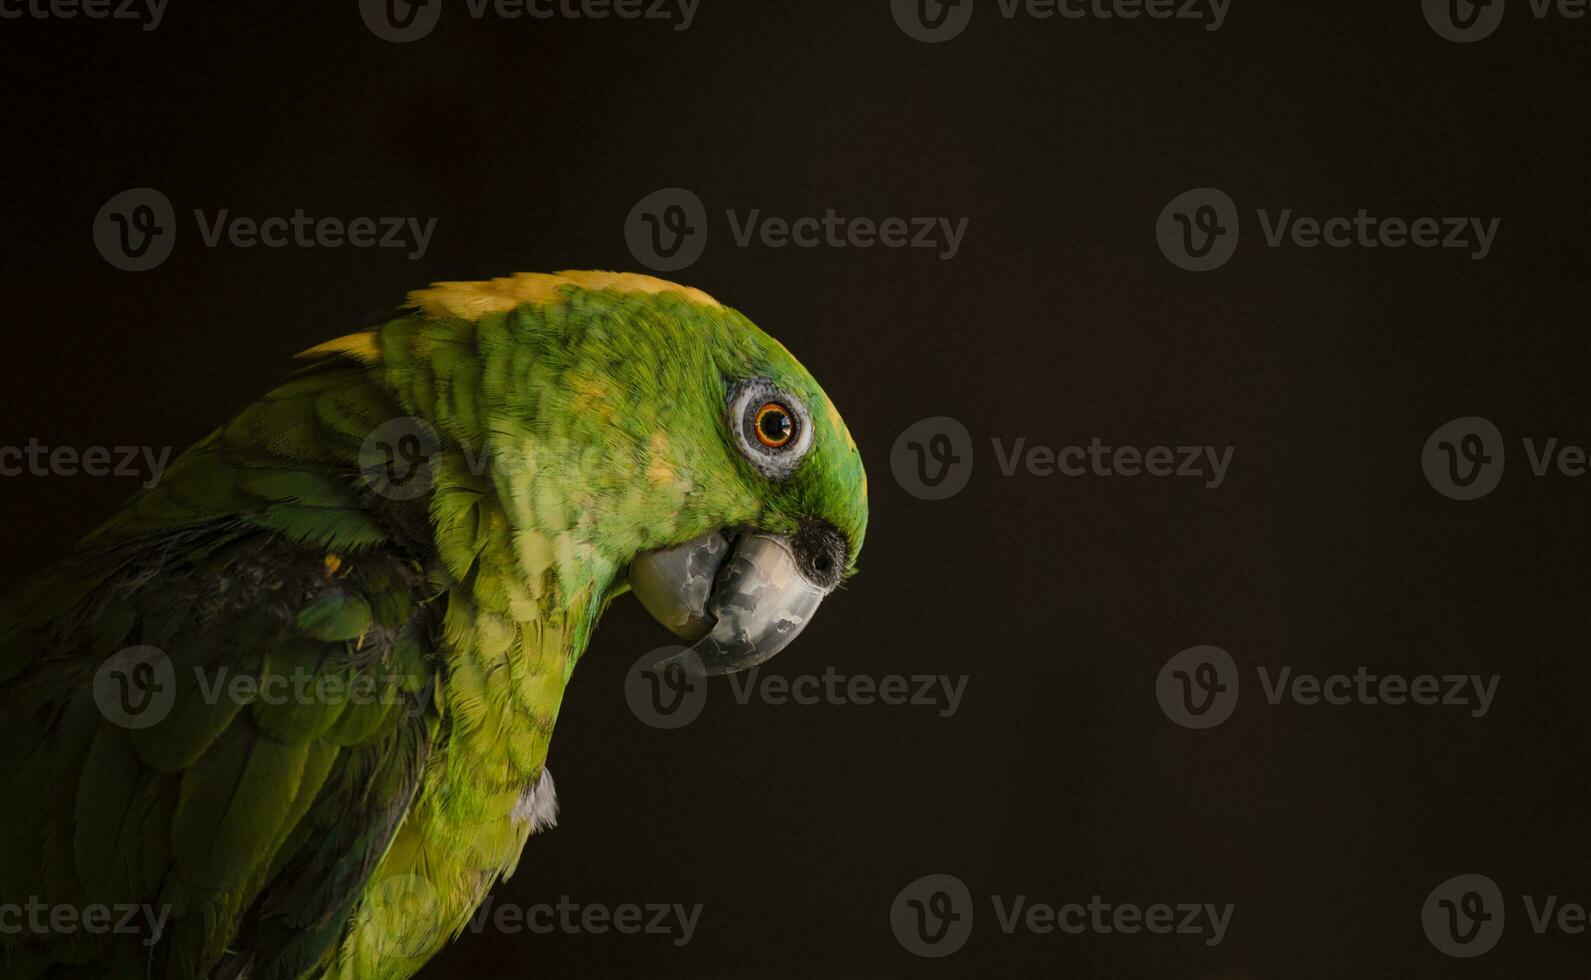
x=643, y=428
x=742, y=590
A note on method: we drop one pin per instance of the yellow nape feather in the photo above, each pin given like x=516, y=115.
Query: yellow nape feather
x=473, y=300
x=359, y=346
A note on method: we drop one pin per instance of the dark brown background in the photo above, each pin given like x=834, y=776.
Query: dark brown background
x=1059, y=321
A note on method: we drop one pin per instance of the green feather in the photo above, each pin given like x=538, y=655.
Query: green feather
x=335, y=616
x=581, y=420
x=233, y=806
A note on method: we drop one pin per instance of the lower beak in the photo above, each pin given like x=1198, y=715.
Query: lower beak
x=739, y=599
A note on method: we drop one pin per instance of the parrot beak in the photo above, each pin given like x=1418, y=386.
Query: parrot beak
x=738, y=599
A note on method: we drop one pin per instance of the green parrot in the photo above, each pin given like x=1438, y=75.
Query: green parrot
x=287, y=713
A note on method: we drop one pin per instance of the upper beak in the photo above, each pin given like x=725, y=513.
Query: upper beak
x=739, y=599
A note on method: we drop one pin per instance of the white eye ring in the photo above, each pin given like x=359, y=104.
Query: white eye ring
x=774, y=459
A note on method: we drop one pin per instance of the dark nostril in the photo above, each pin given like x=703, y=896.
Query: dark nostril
x=820, y=550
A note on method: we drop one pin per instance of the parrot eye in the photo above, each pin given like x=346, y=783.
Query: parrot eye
x=770, y=426
x=774, y=425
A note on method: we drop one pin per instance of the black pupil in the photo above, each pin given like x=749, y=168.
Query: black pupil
x=775, y=425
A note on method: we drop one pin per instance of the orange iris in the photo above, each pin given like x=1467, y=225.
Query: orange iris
x=774, y=427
